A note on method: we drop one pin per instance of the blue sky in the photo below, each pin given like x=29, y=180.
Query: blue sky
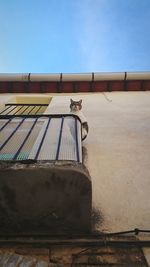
x=51, y=36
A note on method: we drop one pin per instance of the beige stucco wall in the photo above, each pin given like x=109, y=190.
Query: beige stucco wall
x=118, y=152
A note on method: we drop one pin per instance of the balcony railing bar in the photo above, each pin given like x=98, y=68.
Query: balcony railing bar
x=5, y=109
x=9, y=117
x=5, y=124
x=20, y=146
x=11, y=110
x=59, y=139
x=41, y=116
x=15, y=104
x=77, y=143
x=38, y=110
x=10, y=136
x=42, y=140
x=31, y=110
x=12, y=106
x=25, y=139
x=24, y=110
x=17, y=110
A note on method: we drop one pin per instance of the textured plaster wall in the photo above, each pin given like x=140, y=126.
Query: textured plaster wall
x=117, y=156
x=118, y=153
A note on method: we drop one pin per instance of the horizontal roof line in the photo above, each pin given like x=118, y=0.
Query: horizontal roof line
x=70, y=77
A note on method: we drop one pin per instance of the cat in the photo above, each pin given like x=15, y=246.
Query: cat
x=75, y=108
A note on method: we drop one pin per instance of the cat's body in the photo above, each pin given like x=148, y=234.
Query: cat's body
x=75, y=108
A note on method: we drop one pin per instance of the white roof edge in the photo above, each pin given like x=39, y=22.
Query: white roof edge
x=138, y=75
x=69, y=77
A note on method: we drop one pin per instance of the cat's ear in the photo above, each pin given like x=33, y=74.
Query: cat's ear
x=80, y=101
x=71, y=101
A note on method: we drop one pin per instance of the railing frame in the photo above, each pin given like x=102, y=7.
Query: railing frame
x=36, y=117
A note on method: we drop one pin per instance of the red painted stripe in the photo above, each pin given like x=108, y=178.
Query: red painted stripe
x=70, y=87
x=100, y=86
x=67, y=87
x=83, y=87
x=3, y=87
x=117, y=86
x=133, y=85
x=18, y=87
x=146, y=85
x=34, y=87
x=50, y=87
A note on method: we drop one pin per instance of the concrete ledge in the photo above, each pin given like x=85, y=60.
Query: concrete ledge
x=45, y=197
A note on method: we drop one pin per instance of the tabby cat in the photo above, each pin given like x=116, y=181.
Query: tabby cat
x=75, y=108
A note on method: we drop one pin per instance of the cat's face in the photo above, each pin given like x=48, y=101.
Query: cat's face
x=75, y=105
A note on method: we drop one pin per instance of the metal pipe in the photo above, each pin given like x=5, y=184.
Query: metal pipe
x=46, y=243
x=14, y=77
x=77, y=77
x=34, y=77
x=64, y=77
x=5, y=117
x=109, y=76
x=138, y=76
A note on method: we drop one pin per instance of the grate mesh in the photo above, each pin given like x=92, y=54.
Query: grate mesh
x=12, y=146
x=40, y=138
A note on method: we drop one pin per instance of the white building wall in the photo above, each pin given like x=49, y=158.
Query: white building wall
x=117, y=155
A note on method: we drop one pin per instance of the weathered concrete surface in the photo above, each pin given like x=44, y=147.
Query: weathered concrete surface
x=44, y=198
x=24, y=257
x=73, y=255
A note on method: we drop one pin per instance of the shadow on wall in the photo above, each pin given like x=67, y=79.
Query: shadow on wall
x=96, y=216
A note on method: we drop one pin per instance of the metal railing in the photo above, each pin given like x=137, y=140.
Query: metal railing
x=40, y=137
x=20, y=109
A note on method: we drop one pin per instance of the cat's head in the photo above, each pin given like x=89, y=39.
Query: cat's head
x=75, y=105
